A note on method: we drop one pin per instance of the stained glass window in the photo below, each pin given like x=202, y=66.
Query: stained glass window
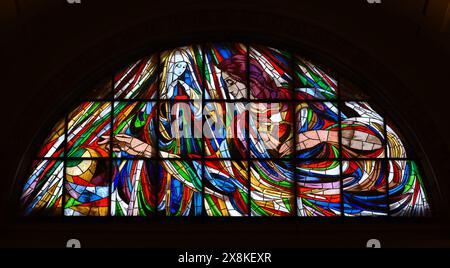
x=132, y=188
x=225, y=130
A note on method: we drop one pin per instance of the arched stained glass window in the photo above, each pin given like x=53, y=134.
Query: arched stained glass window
x=224, y=129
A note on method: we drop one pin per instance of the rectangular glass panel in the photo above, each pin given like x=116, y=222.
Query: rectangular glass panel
x=270, y=74
x=180, y=129
x=407, y=196
x=181, y=73
x=313, y=83
x=362, y=131
x=271, y=131
x=139, y=80
x=317, y=130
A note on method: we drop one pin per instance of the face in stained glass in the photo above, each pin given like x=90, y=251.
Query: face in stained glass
x=89, y=126
x=225, y=129
x=181, y=75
